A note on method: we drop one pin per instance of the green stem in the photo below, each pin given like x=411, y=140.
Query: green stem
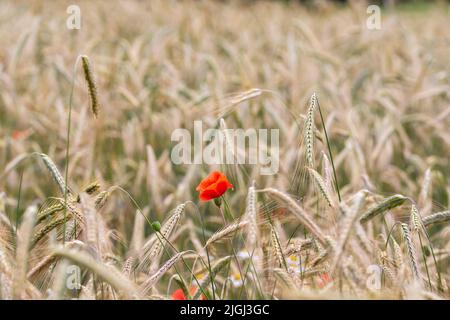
x=182, y=259
x=68, y=147
x=211, y=275
x=251, y=257
x=329, y=151
x=228, y=211
x=18, y=203
x=425, y=261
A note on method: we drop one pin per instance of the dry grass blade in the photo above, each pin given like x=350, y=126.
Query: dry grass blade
x=105, y=272
x=215, y=269
x=435, y=218
x=56, y=175
x=90, y=189
x=48, y=212
x=285, y=278
x=90, y=214
x=321, y=185
x=43, y=264
x=137, y=240
x=44, y=230
x=397, y=256
x=346, y=228
x=309, y=131
x=101, y=199
x=5, y=261
x=153, y=279
x=226, y=232
x=415, y=219
x=295, y=208
x=59, y=281
x=251, y=216
x=274, y=242
x=22, y=252
x=128, y=266
x=411, y=251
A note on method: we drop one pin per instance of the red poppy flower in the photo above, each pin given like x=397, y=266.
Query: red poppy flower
x=213, y=186
x=179, y=294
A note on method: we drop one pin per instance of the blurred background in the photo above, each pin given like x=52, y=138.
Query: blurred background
x=160, y=65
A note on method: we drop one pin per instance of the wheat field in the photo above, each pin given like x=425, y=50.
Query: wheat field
x=93, y=207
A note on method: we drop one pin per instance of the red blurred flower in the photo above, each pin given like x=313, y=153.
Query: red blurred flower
x=324, y=279
x=279, y=213
x=213, y=186
x=179, y=294
x=19, y=134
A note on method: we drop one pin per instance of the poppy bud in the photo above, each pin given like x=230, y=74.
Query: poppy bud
x=156, y=226
x=218, y=201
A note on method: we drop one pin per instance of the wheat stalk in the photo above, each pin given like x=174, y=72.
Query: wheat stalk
x=438, y=217
x=43, y=231
x=88, y=209
x=411, y=250
x=49, y=212
x=346, y=228
x=309, y=131
x=323, y=190
x=153, y=279
x=22, y=252
x=215, y=269
x=398, y=256
x=41, y=265
x=415, y=219
x=101, y=198
x=90, y=189
x=383, y=206
x=56, y=175
x=285, y=277
x=59, y=280
x=298, y=211
x=274, y=242
x=154, y=246
x=251, y=216
x=107, y=273
x=128, y=265
x=225, y=232
x=296, y=246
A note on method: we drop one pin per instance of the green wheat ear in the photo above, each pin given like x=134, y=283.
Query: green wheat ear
x=90, y=80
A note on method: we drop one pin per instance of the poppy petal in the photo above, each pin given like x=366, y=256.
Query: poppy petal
x=178, y=295
x=207, y=195
x=213, y=186
x=210, y=179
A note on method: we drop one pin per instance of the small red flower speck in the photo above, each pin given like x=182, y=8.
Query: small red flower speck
x=18, y=134
x=324, y=279
x=179, y=294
